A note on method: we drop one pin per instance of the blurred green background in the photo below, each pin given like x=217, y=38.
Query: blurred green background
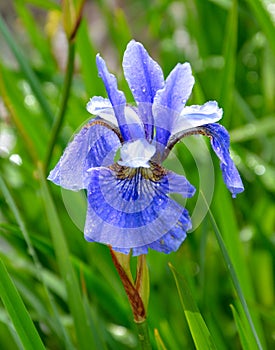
x=71, y=291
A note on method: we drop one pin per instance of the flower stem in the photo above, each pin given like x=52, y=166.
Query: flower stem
x=136, y=293
x=133, y=295
x=60, y=117
x=143, y=335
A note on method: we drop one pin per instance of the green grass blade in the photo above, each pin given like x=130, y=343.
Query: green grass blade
x=228, y=225
x=87, y=54
x=254, y=130
x=36, y=35
x=27, y=70
x=45, y=4
x=200, y=333
x=194, y=20
x=264, y=20
x=243, y=334
x=234, y=278
x=83, y=333
x=229, y=54
x=63, y=107
x=18, y=312
x=159, y=341
x=20, y=116
x=116, y=23
x=38, y=267
x=96, y=326
x=20, y=222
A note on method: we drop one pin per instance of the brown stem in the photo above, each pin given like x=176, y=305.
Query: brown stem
x=131, y=291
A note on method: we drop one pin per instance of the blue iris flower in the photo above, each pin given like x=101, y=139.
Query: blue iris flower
x=129, y=207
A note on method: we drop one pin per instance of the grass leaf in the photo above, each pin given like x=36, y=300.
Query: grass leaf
x=235, y=278
x=27, y=70
x=75, y=300
x=18, y=312
x=200, y=333
x=264, y=20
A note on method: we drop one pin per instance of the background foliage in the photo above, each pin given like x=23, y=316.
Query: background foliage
x=72, y=296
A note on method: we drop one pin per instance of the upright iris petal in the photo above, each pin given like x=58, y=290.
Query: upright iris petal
x=169, y=101
x=145, y=78
x=117, y=99
x=129, y=203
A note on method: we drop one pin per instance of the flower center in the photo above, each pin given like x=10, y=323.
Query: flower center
x=155, y=172
x=136, y=154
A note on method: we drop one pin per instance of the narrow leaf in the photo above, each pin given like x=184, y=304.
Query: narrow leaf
x=228, y=79
x=39, y=273
x=18, y=312
x=159, y=341
x=234, y=278
x=27, y=70
x=265, y=21
x=243, y=334
x=200, y=333
x=46, y=4
x=83, y=333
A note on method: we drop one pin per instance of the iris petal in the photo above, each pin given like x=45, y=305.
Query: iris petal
x=102, y=107
x=116, y=97
x=93, y=146
x=193, y=116
x=177, y=89
x=133, y=212
x=220, y=143
x=170, y=100
x=169, y=242
x=145, y=78
x=179, y=184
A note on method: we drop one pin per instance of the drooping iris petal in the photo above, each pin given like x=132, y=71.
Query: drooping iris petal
x=103, y=146
x=220, y=143
x=145, y=78
x=170, y=100
x=133, y=212
x=169, y=242
x=193, y=116
x=172, y=240
x=117, y=99
x=179, y=184
x=95, y=145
